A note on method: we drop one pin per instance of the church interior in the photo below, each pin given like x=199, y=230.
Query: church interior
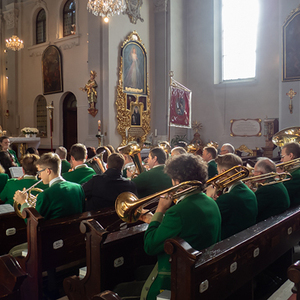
x=153, y=73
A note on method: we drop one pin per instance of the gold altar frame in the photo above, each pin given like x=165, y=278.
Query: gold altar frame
x=129, y=96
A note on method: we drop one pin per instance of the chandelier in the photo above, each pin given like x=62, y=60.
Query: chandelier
x=14, y=43
x=106, y=8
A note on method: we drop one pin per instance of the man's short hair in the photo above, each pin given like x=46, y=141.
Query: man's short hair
x=115, y=161
x=228, y=147
x=178, y=150
x=212, y=151
x=186, y=167
x=29, y=164
x=159, y=153
x=228, y=160
x=79, y=152
x=50, y=160
x=265, y=165
x=3, y=137
x=62, y=152
x=292, y=147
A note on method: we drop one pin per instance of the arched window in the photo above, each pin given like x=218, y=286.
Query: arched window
x=41, y=116
x=41, y=27
x=69, y=18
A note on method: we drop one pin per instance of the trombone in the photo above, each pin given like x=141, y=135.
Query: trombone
x=129, y=207
x=31, y=199
x=289, y=166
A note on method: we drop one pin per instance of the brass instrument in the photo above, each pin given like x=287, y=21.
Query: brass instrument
x=277, y=177
x=192, y=148
x=289, y=166
x=223, y=180
x=212, y=144
x=99, y=158
x=165, y=146
x=287, y=135
x=129, y=207
x=31, y=199
x=134, y=150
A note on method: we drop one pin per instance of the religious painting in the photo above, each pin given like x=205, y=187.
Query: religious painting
x=133, y=96
x=52, y=71
x=291, y=46
x=180, y=105
x=130, y=98
x=143, y=100
x=134, y=68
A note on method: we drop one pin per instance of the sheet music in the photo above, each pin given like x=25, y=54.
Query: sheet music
x=16, y=172
x=6, y=208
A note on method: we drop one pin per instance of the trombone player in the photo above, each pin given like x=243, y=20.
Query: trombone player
x=291, y=151
x=272, y=199
x=195, y=218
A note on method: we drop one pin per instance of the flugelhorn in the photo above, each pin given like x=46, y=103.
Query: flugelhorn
x=230, y=176
x=31, y=199
x=274, y=176
x=129, y=207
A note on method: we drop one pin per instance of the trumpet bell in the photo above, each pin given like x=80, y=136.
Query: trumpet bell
x=287, y=135
x=165, y=146
x=123, y=204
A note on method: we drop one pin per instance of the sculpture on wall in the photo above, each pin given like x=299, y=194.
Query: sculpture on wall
x=90, y=89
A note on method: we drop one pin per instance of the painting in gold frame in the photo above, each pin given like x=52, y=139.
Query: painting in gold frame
x=133, y=91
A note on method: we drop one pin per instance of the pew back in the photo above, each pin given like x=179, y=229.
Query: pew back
x=218, y=271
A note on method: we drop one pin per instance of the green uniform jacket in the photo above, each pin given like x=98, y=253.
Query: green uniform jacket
x=14, y=185
x=212, y=169
x=81, y=174
x=3, y=180
x=293, y=187
x=61, y=199
x=271, y=200
x=196, y=219
x=152, y=181
x=238, y=209
x=14, y=157
x=65, y=166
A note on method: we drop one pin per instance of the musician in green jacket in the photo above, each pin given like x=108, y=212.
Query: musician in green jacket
x=272, y=199
x=81, y=172
x=29, y=178
x=62, y=153
x=291, y=151
x=209, y=155
x=154, y=180
x=4, y=146
x=238, y=205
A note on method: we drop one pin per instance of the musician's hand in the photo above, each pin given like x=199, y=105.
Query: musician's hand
x=164, y=203
x=129, y=174
x=211, y=191
x=20, y=197
x=146, y=216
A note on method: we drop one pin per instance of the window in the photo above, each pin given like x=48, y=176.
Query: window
x=69, y=18
x=239, y=38
x=41, y=116
x=41, y=27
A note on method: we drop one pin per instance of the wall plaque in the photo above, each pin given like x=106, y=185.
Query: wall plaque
x=245, y=127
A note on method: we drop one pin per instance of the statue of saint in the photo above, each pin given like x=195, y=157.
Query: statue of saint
x=90, y=88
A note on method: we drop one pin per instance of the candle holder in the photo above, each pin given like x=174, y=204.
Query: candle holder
x=99, y=136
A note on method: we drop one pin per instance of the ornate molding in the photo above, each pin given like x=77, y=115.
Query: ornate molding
x=133, y=10
x=68, y=42
x=160, y=6
x=295, y=10
x=11, y=18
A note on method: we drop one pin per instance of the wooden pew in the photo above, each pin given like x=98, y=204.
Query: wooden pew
x=293, y=273
x=106, y=295
x=220, y=270
x=51, y=244
x=12, y=231
x=111, y=259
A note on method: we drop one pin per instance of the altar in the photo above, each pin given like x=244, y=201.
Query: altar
x=20, y=144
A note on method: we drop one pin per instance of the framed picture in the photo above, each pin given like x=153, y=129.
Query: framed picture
x=134, y=68
x=135, y=113
x=291, y=46
x=52, y=70
x=143, y=100
x=130, y=98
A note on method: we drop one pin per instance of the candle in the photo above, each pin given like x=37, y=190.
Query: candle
x=99, y=125
x=126, y=131
x=155, y=132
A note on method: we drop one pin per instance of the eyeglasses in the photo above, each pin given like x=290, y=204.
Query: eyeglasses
x=40, y=171
x=282, y=156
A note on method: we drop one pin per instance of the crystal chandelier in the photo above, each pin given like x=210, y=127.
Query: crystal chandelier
x=14, y=43
x=106, y=8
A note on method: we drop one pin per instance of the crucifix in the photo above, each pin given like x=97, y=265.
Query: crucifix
x=291, y=94
x=50, y=109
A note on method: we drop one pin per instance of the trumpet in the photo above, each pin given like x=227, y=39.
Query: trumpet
x=129, y=207
x=289, y=166
x=31, y=199
x=277, y=177
x=230, y=176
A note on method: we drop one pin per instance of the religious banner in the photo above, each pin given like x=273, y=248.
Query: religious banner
x=180, y=105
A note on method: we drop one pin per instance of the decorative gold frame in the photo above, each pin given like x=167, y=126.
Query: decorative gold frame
x=127, y=131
